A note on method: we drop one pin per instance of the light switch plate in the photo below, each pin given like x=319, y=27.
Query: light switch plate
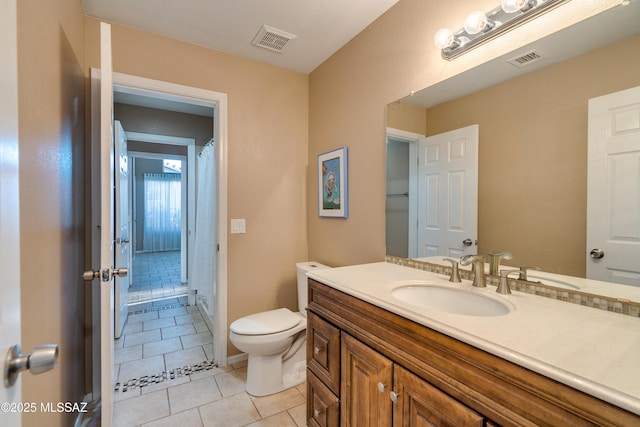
x=238, y=226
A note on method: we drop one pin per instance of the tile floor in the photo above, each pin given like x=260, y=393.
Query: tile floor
x=155, y=275
x=161, y=337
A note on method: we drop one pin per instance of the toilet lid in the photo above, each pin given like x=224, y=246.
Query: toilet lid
x=267, y=322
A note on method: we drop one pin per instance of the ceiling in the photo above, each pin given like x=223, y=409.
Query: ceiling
x=321, y=27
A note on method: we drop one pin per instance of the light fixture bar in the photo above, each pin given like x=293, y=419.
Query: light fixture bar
x=498, y=22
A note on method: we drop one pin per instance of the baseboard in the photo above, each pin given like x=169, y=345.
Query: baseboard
x=237, y=358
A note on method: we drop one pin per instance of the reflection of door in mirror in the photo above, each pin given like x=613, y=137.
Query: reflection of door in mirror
x=613, y=183
x=431, y=204
x=448, y=193
x=400, y=209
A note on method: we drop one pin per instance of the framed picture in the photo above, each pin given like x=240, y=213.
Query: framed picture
x=332, y=184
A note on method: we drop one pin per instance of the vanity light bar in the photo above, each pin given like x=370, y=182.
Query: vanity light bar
x=479, y=27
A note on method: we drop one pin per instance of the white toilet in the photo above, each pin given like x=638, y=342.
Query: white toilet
x=275, y=341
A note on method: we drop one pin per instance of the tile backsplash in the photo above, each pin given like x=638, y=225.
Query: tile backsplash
x=626, y=307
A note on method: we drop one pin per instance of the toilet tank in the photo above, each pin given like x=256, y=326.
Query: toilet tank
x=303, y=268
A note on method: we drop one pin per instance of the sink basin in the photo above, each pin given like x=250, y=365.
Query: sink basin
x=450, y=300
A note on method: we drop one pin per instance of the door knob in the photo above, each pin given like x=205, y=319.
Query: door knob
x=596, y=253
x=467, y=242
x=120, y=272
x=106, y=274
x=42, y=359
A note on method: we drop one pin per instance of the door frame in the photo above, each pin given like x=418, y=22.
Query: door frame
x=188, y=184
x=217, y=100
x=10, y=318
x=190, y=95
x=412, y=139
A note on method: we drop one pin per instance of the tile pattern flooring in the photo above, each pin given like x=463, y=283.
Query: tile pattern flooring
x=160, y=338
x=166, y=335
x=155, y=275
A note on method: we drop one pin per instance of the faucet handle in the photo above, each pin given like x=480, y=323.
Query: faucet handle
x=494, y=260
x=503, y=285
x=523, y=272
x=469, y=259
x=455, y=273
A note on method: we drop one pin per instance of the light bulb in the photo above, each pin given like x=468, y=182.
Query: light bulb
x=512, y=6
x=444, y=38
x=476, y=22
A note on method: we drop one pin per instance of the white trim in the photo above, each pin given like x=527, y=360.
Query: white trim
x=217, y=100
x=403, y=134
x=10, y=317
x=160, y=139
x=188, y=184
x=412, y=139
x=237, y=358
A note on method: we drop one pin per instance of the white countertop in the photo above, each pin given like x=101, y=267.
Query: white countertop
x=595, y=351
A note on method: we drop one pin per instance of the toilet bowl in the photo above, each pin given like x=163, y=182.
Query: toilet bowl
x=275, y=341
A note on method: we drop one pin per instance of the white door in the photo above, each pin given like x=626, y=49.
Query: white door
x=103, y=226
x=9, y=205
x=448, y=193
x=122, y=246
x=613, y=188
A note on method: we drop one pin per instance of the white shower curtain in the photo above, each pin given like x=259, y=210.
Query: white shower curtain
x=162, y=212
x=203, y=277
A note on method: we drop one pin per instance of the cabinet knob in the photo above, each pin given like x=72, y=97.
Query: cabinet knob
x=381, y=387
x=394, y=396
x=316, y=413
x=316, y=350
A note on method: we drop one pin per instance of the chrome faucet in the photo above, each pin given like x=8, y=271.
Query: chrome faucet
x=478, y=268
x=494, y=261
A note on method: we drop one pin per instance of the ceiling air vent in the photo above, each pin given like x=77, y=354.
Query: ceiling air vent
x=272, y=38
x=526, y=59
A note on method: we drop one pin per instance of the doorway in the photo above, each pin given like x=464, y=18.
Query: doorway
x=162, y=204
x=159, y=342
x=169, y=96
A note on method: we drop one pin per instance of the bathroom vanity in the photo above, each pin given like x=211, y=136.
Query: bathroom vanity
x=373, y=356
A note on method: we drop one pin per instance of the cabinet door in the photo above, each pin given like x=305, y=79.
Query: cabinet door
x=365, y=387
x=420, y=404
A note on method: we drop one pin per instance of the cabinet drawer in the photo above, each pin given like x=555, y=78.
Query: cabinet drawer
x=323, y=351
x=323, y=407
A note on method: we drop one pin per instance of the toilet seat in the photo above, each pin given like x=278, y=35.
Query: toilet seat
x=266, y=322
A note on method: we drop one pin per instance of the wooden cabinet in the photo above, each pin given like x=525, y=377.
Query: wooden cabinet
x=377, y=392
x=366, y=384
x=323, y=406
x=359, y=353
x=323, y=372
x=418, y=403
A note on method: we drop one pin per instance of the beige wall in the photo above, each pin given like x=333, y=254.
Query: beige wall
x=51, y=134
x=267, y=149
x=162, y=122
x=532, y=188
x=407, y=117
x=348, y=94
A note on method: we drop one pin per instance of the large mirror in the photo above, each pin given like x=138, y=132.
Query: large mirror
x=533, y=135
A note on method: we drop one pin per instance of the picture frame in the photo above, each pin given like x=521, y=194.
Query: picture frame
x=332, y=184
